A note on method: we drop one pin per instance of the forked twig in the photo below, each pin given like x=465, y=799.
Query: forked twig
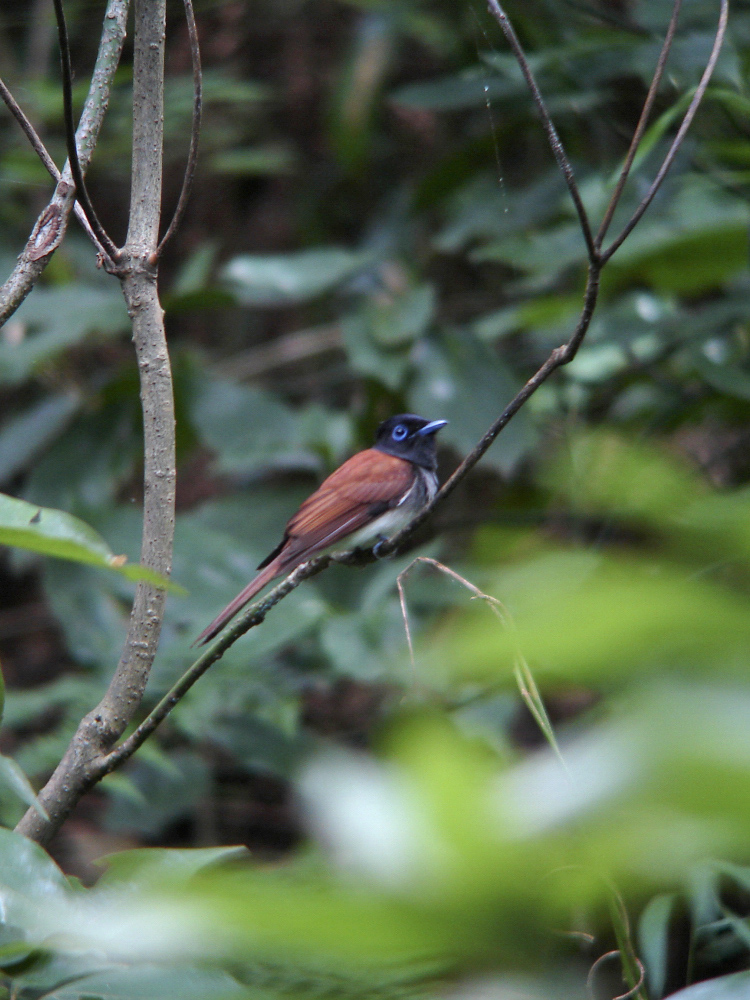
x=641, y=126
x=41, y=150
x=51, y=224
x=70, y=139
x=559, y=356
x=80, y=767
x=187, y=180
x=700, y=90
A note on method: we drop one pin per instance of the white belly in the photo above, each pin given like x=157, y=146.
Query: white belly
x=423, y=490
x=384, y=526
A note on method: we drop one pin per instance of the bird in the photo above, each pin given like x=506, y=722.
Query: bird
x=371, y=496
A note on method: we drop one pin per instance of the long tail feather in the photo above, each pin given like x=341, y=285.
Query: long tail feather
x=257, y=584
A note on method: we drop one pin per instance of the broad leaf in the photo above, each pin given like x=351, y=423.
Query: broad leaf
x=31, y=431
x=55, y=533
x=145, y=982
x=58, y=319
x=460, y=367
x=13, y=778
x=287, y=279
x=147, y=865
x=733, y=987
x=27, y=870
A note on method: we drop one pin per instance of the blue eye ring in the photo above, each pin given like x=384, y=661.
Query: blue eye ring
x=399, y=432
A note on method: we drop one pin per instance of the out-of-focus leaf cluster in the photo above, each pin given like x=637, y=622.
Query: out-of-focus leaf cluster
x=448, y=853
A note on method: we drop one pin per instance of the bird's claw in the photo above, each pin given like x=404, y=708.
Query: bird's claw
x=377, y=549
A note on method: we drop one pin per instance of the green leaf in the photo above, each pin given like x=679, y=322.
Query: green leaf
x=248, y=428
x=146, y=982
x=55, y=533
x=733, y=987
x=28, y=870
x=543, y=313
x=31, y=431
x=118, y=784
x=13, y=777
x=287, y=279
x=653, y=941
x=730, y=380
x=456, y=368
x=655, y=132
x=14, y=956
x=686, y=263
x=58, y=319
x=541, y=254
x=260, y=745
x=697, y=244
x=484, y=209
x=403, y=319
x=163, y=799
x=147, y=865
x=389, y=367
x=254, y=161
x=195, y=273
x=44, y=971
x=472, y=88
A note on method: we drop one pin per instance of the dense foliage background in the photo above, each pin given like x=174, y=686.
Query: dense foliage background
x=378, y=226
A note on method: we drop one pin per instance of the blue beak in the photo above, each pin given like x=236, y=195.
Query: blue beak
x=432, y=428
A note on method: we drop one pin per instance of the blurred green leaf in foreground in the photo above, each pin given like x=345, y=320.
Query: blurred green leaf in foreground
x=443, y=856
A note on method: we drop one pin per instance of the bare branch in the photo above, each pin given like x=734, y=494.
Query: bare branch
x=195, y=129
x=50, y=227
x=641, y=126
x=29, y=131
x=41, y=151
x=554, y=139
x=81, y=193
x=700, y=90
x=80, y=767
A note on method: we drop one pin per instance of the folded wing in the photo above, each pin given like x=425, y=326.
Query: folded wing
x=364, y=487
